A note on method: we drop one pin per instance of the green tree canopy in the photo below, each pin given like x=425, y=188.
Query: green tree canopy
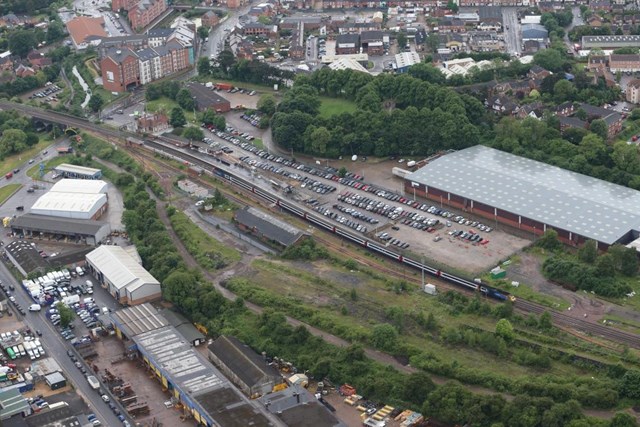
x=193, y=133
x=177, y=118
x=384, y=336
x=504, y=329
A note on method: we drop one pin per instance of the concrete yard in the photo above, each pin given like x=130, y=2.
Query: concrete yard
x=144, y=383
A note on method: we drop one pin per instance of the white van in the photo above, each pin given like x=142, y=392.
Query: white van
x=35, y=307
x=66, y=274
x=80, y=271
x=88, y=300
x=89, y=284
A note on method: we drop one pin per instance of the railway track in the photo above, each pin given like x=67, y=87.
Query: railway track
x=561, y=319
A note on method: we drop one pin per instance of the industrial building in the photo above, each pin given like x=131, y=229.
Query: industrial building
x=204, y=393
x=125, y=279
x=24, y=256
x=71, y=205
x=182, y=325
x=83, y=186
x=530, y=195
x=55, y=380
x=246, y=369
x=13, y=403
x=405, y=60
x=87, y=232
x=297, y=407
x=208, y=99
x=610, y=42
x=73, y=171
x=267, y=227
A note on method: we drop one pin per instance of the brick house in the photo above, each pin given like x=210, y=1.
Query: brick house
x=120, y=70
x=257, y=29
x=145, y=12
x=600, y=5
x=24, y=71
x=451, y=26
x=38, y=60
x=152, y=123
x=632, y=92
x=372, y=43
x=624, y=63
x=537, y=72
x=347, y=44
x=210, y=19
x=596, y=62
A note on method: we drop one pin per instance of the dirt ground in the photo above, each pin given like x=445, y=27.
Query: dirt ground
x=146, y=387
x=240, y=99
x=349, y=414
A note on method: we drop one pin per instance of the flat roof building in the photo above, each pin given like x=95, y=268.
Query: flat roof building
x=84, y=186
x=132, y=321
x=405, y=60
x=610, y=42
x=246, y=368
x=55, y=380
x=206, y=98
x=126, y=280
x=13, y=403
x=89, y=232
x=74, y=171
x=204, y=393
x=297, y=407
x=184, y=326
x=530, y=195
x=71, y=205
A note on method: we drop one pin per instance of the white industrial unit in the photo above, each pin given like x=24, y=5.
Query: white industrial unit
x=125, y=279
x=86, y=186
x=70, y=205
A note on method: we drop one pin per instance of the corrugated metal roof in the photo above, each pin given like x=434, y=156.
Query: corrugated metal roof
x=120, y=268
x=66, y=167
x=64, y=202
x=139, y=319
x=557, y=197
x=87, y=186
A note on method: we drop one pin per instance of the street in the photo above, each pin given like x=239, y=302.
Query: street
x=56, y=347
x=511, y=30
x=219, y=33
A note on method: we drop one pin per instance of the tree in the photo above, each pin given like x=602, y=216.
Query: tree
x=402, y=40
x=66, y=314
x=193, y=133
x=545, y=321
x=185, y=100
x=96, y=102
x=588, y=252
x=153, y=91
x=267, y=104
x=550, y=59
x=417, y=387
x=452, y=6
x=427, y=73
x=384, y=336
x=342, y=172
x=630, y=385
x=21, y=42
x=319, y=139
x=549, y=240
x=204, y=66
x=55, y=31
x=625, y=259
x=622, y=419
x=600, y=128
x=177, y=118
x=605, y=266
x=265, y=20
x=12, y=141
x=563, y=91
x=504, y=329
x=433, y=41
x=203, y=32
x=635, y=114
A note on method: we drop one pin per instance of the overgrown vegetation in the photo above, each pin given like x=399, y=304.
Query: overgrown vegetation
x=587, y=270
x=210, y=254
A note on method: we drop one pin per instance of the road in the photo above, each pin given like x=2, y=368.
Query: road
x=56, y=347
x=511, y=30
x=219, y=33
x=576, y=21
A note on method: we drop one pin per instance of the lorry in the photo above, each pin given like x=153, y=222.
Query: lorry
x=224, y=86
x=93, y=382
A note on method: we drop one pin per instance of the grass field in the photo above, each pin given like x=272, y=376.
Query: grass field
x=210, y=253
x=16, y=160
x=34, y=171
x=258, y=143
x=7, y=191
x=331, y=106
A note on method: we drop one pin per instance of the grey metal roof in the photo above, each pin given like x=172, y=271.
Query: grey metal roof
x=270, y=227
x=11, y=403
x=146, y=54
x=138, y=319
x=183, y=325
x=205, y=97
x=25, y=254
x=298, y=407
x=567, y=200
x=54, y=224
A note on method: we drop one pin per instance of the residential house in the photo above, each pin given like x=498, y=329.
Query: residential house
x=537, y=72
x=38, y=60
x=632, y=92
x=613, y=119
x=571, y=123
x=596, y=62
x=485, y=41
x=152, y=123
x=120, y=70
x=150, y=65
x=624, y=63
x=262, y=9
x=534, y=110
x=210, y=19
x=565, y=109
x=501, y=104
x=349, y=27
x=596, y=5
x=6, y=64
x=159, y=36
x=24, y=71
x=258, y=29
x=133, y=42
x=451, y=26
x=595, y=21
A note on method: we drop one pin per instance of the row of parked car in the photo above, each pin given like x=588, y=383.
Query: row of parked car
x=471, y=236
x=254, y=118
x=386, y=237
x=371, y=205
x=341, y=219
x=356, y=214
x=49, y=90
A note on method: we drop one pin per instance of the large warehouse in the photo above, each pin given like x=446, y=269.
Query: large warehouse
x=84, y=186
x=530, y=195
x=75, y=230
x=125, y=278
x=71, y=205
x=74, y=171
